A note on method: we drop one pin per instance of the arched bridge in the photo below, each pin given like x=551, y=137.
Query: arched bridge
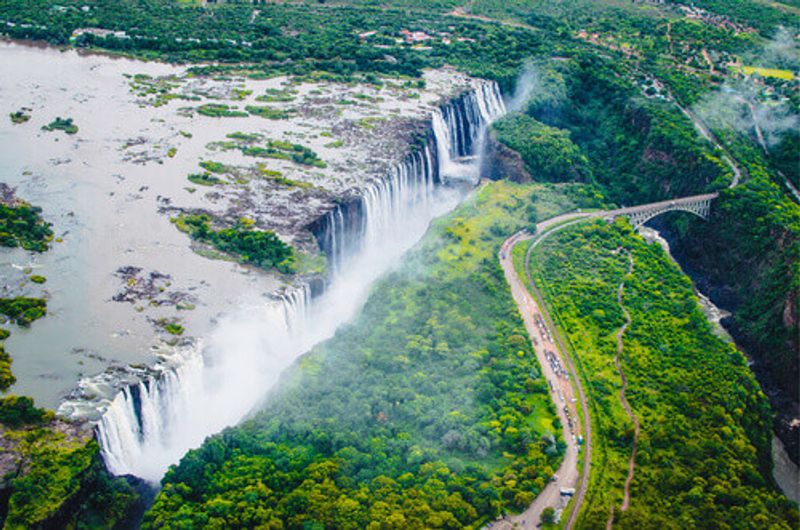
x=699, y=205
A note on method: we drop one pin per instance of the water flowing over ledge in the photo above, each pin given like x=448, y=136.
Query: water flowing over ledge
x=216, y=382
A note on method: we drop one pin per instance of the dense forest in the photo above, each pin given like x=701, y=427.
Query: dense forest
x=703, y=451
x=428, y=411
x=59, y=480
x=641, y=149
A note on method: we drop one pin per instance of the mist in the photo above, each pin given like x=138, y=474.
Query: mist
x=528, y=82
x=742, y=104
x=225, y=376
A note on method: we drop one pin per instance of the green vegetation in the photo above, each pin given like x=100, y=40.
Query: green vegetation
x=53, y=474
x=61, y=124
x=20, y=116
x=641, y=150
x=21, y=225
x=60, y=481
x=753, y=245
x=428, y=411
x=173, y=328
x=213, y=167
x=267, y=112
x=279, y=149
x=56, y=465
x=604, y=113
x=638, y=149
x=277, y=176
x=548, y=152
x=16, y=411
x=275, y=95
x=157, y=89
x=703, y=455
x=56, y=477
x=218, y=110
x=261, y=248
x=255, y=145
x=204, y=179
x=7, y=377
x=316, y=40
x=23, y=310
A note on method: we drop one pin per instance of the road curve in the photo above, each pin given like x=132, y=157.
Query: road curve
x=533, y=310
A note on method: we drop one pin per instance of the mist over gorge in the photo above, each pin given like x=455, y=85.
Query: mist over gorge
x=409, y=265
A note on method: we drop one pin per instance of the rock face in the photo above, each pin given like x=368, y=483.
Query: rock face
x=500, y=162
x=324, y=145
x=151, y=424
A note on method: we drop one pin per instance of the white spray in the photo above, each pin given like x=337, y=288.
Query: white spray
x=150, y=426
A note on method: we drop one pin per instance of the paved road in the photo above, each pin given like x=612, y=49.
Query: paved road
x=549, y=345
x=583, y=481
x=560, y=390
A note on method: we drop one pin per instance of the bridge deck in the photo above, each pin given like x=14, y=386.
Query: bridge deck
x=661, y=205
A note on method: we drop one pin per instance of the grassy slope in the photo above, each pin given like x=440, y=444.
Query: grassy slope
x=703, y=457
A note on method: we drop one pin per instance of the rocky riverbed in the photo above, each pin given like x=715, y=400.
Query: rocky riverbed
x=124, y=285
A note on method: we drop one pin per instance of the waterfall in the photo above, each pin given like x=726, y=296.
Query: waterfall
x=460, y=128
x=150, y=425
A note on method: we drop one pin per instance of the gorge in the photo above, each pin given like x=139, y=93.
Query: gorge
x=150, y=425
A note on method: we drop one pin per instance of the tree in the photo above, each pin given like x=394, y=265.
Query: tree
x=548, y=515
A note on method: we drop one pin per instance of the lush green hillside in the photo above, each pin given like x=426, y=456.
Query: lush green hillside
x=638, y=148
x=749, y=259
x=548, y=152
x=703, y=457
x=641, y=149
x=428, y=411
x=54, y=477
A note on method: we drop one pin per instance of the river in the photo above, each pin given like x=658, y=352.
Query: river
x=103, y=187
x=109, y=191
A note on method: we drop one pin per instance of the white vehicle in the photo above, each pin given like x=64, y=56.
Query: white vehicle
x=567, y=492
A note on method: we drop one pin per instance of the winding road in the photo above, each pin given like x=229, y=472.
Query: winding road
x=565, y=387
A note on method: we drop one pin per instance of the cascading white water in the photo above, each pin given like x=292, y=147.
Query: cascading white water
x=460, y=130
x=149, y=426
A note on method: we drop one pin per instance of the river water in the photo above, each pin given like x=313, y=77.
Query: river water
x=102, y=189
x=104, y=209
x=786, y=473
